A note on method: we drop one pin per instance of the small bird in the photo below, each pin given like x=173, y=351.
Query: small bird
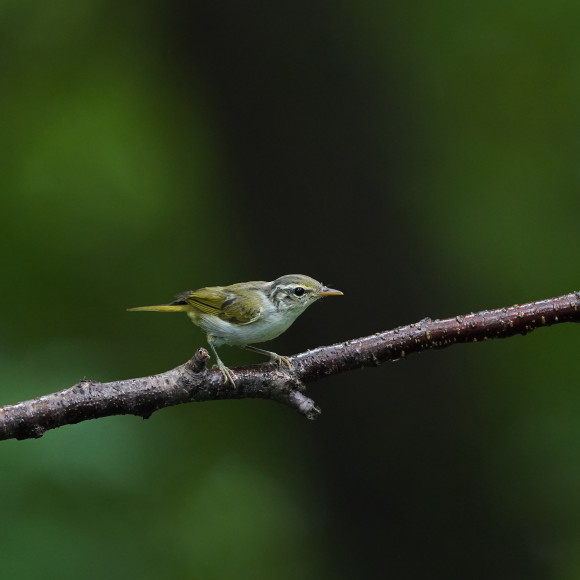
x=248, y=312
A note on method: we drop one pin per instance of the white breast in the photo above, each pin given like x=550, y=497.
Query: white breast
x=268, y=326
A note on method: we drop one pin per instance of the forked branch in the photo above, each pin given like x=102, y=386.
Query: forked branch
x=194, y=382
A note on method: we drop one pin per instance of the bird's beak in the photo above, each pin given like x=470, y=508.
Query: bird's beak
x=330, y=292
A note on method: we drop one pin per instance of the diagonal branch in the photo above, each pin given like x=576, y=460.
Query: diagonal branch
x=194, y=382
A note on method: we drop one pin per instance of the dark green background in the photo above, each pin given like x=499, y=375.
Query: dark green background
x=422, y=157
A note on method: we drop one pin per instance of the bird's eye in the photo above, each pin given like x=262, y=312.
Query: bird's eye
x=299, y=291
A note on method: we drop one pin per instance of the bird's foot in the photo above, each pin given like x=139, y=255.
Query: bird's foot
x=281, y=360
x=227, y=373
x=277, y=358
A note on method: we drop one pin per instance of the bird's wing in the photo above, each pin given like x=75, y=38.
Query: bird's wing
x=225, y=304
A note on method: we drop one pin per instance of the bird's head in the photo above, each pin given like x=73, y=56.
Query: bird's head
x=296, y=292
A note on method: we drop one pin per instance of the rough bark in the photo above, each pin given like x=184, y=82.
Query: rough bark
x=194, y=382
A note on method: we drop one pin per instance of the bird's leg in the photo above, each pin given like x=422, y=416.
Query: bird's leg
x=281, y=360
x=226, y=372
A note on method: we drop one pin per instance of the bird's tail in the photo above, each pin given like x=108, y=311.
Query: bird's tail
x=163, y=308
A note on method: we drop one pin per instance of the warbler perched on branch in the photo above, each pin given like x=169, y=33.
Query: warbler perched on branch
x=248, y=312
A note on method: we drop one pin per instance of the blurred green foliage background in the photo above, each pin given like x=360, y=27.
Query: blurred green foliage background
x=422, y=157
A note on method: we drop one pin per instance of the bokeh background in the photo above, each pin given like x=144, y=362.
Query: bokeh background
x=422, y=157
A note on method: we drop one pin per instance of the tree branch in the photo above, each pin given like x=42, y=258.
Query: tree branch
x=194, y=382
